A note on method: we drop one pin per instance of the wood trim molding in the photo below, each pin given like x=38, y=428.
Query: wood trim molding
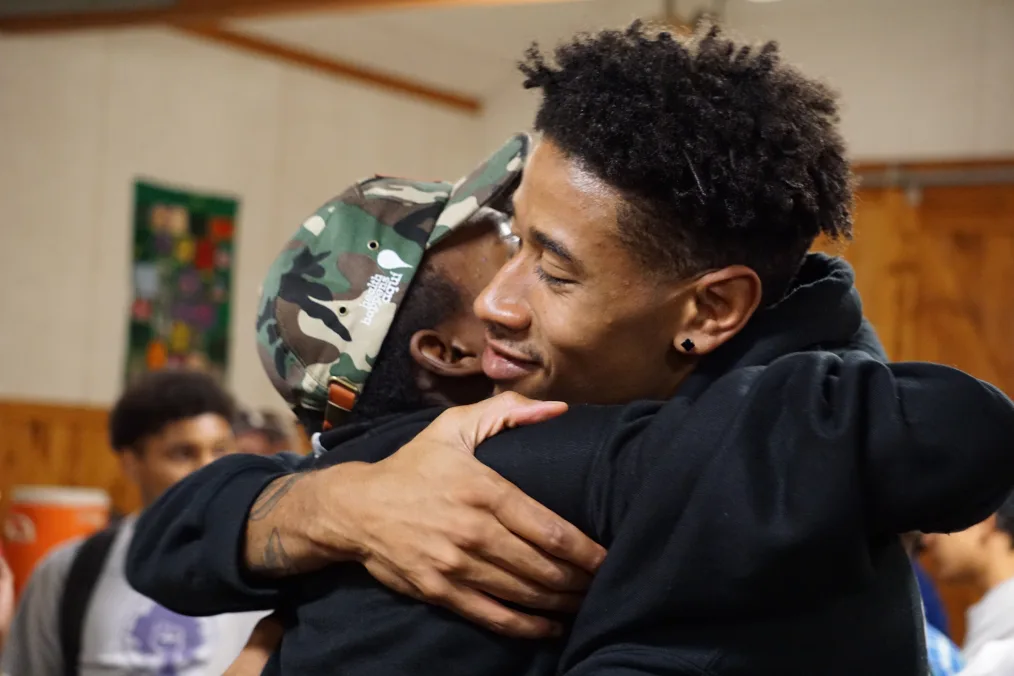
x=21, y=408
x=332, y=67
x=182, y=10
x=211, y=11
x=934, y=165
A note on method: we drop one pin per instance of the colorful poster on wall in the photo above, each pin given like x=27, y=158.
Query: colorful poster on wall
x=182, y=279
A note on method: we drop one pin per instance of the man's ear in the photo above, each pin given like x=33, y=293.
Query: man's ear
x=444, y=355
x=721, y=304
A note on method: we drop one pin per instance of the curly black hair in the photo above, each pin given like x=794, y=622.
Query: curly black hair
x=160, y=398
x=722, y=153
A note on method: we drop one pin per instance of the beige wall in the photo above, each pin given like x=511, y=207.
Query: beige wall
x=82, y=116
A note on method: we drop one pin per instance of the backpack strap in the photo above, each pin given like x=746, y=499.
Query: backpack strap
x=77, y=593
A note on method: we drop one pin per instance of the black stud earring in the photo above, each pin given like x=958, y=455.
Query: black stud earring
x=687, y=345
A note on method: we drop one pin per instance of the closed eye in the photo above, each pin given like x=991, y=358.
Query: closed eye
x=550, y=279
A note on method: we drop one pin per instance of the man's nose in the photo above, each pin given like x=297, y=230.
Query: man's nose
x=503, y=301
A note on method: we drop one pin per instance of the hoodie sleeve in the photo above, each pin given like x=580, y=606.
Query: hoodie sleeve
x=187, y=548
x=780, y=483
x=866, y=340
x=933, y=447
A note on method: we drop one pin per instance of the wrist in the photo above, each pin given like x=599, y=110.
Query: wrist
x=332, y=524
x=278, y=528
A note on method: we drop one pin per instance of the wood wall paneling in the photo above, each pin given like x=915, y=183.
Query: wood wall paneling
x=59, y=445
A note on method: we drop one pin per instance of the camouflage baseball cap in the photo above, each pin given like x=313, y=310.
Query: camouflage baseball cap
x=330, y=297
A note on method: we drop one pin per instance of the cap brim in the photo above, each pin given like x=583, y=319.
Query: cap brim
x=487, y=185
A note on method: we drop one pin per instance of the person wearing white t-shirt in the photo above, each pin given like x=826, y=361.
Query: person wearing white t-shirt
x=6, y=600
x=983, y=555
x=165, y=426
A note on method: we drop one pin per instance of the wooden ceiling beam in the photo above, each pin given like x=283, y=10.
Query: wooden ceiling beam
x=208, y=11
x=202, y=11
x=333, y=67
x=1003, y=162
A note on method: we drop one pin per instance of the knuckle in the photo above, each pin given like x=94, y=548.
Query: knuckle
x=470, y=536
x=554, y=536
x=433, y=588
x=556, y=577
x=494, y=491
x=466, y=493
x=477, y=491
x=491, y=488
x=503, y=624
x=449, y=562
x=531, y=598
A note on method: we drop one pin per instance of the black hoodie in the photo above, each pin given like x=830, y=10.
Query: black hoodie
x=751, y=520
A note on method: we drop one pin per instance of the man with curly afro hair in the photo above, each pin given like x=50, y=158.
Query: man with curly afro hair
x=677, y=188
x=752, y=495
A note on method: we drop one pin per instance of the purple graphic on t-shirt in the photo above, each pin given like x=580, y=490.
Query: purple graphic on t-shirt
x=173, y=638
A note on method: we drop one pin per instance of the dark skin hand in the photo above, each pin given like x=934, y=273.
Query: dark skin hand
x=434, y=523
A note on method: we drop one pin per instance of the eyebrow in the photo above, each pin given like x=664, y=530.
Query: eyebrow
x=554, y=247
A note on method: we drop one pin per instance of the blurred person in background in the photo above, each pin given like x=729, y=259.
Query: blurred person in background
x=983, y=556
x=261, y=433
x=6, y=600
x=78, y=615
x=944, y=657
x=936, y=615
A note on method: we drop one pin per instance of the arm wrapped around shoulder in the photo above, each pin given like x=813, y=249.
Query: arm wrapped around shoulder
x=959, y=467
x=935, y=445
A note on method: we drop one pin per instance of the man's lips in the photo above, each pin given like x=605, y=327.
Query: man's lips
x=501, y=364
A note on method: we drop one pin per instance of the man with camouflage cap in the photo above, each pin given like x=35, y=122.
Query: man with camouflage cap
x=334, y=347
x=331, y=297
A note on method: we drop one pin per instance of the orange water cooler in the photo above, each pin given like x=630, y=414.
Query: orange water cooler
x=42, y=517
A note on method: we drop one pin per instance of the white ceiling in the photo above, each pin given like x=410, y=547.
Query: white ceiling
x=468, y=49
x=474, y=49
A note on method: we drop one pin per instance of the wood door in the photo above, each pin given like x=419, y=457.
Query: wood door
x=936, y=273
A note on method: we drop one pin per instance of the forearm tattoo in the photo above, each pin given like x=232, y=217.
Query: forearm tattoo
x=275, y=556
x=270, y=496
